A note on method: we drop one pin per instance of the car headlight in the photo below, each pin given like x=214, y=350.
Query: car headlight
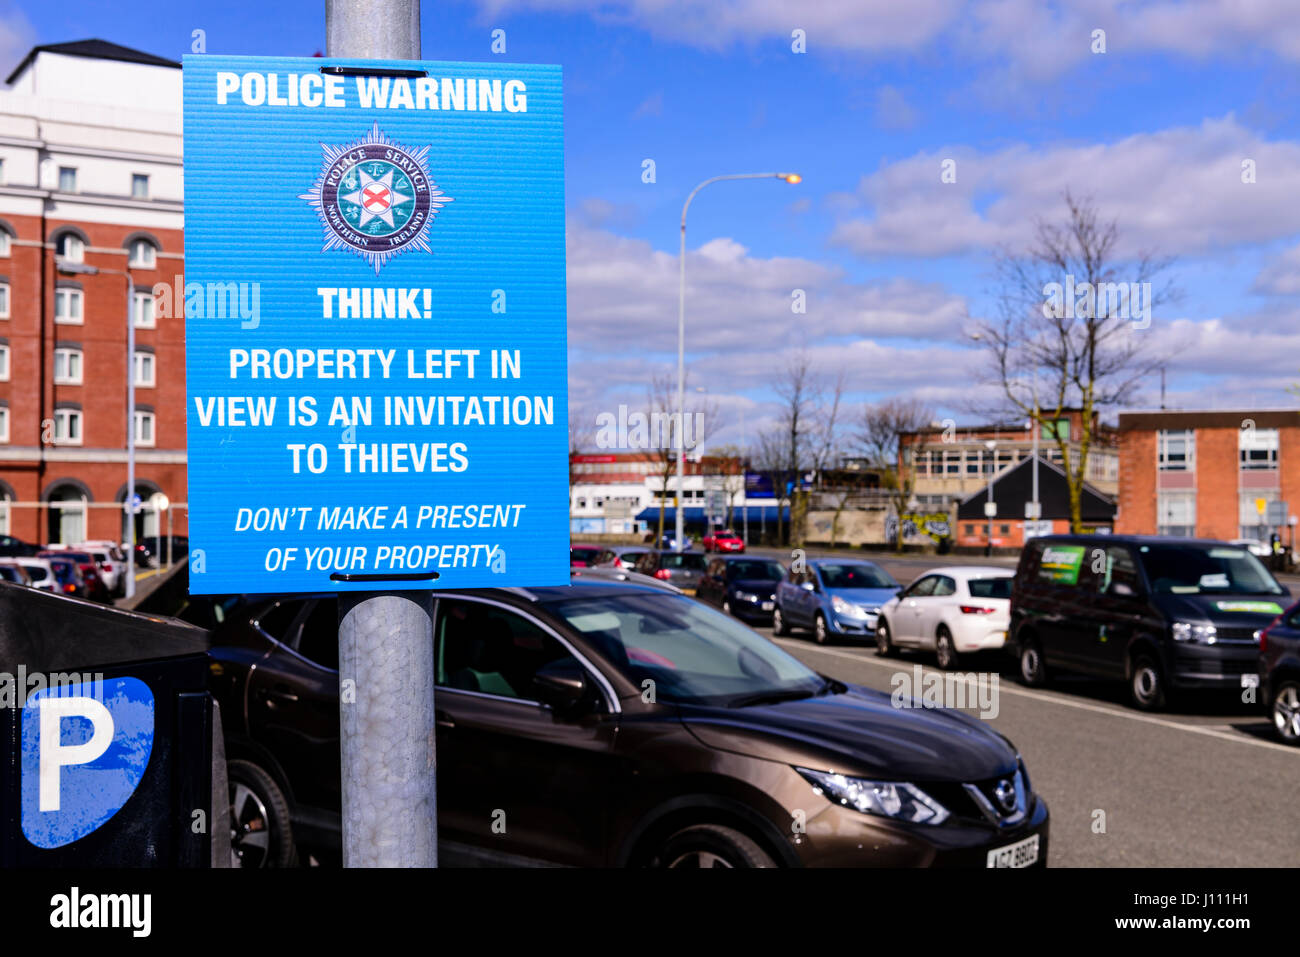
x=746, y=596
x=897, y=800
x=845, y=608
x=1194, y=631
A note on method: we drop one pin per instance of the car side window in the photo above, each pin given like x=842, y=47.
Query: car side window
x=1120, y=569
x=279, y=620
x=491, y=650
x=944, y=585
x=318, y=638
x=922, y=588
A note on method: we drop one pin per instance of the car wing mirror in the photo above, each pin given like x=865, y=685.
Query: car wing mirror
x=562, y=684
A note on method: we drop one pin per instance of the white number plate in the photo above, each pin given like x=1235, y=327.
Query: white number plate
x=1021, y=854
x=767, y=606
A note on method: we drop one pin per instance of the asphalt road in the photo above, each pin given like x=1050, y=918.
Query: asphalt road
x=1201, y=785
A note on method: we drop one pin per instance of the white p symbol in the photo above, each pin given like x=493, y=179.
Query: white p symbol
x=55, y=755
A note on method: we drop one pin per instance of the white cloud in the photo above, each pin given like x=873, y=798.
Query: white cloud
x=1281, y=276
x=1175, y=191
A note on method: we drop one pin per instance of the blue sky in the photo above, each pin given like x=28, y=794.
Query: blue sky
x=895, y=263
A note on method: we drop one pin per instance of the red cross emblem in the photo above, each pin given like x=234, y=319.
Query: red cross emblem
x=375, y=198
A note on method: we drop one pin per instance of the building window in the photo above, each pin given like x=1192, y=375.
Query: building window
x=67, y=427
x=1250, y=518
x=139, y=186
x=6, y=242
x=143, y=254
x=143, y=311
x=4, y=424
x=1258, y=449
x=4, y=363
x=4, y=298
x=970, y=529
x=1176, y=514
x=67, y=305
x=67, y=366
x=144, y=370
x=1176, y=450
x=70, y=248
x=952, y=463
x=144, y=428
x=67, y=179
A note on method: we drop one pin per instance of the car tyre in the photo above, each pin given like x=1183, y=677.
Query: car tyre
x=1033, y=670
x=260, y=832
x=1146, y=684
x=945, y=651
x=821, y=633
x=884, y=644
x=780, y=627
x=1285, y=712
x=711, y=845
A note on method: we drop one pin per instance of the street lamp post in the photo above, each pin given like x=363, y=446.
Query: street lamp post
x=791, y=178
x=991, y=508
x=128, y=504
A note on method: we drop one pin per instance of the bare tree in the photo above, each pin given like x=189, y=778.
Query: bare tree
x=881, y=425
x=661, y=397
x=1066, y=336
x=581, y=437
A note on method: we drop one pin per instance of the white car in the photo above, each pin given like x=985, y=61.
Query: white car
x=110, y=560
x=40, y=571
x=950, y=611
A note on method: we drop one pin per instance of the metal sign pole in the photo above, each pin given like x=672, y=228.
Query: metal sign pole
x=386, y=714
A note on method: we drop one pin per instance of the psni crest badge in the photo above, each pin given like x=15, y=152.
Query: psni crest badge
x=375, y=198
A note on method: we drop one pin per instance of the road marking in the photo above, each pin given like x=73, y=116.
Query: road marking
x=1004, y=688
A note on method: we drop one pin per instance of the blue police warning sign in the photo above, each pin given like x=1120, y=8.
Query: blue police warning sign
x=85, y=747
x=374, y=306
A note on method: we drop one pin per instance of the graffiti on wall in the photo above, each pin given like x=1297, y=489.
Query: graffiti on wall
x=917, y=525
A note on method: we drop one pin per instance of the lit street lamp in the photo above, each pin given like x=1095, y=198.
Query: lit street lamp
x=128, y=504
x=791, y=178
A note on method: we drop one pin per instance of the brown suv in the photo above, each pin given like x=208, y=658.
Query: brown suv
x=605, y=724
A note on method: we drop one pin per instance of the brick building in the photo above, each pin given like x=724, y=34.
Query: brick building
x=90, y=192
x=1205, y=473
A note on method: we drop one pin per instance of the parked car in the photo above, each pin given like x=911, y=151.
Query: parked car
x=1258, y=548
x=11, y=547
x=110, y=561
x=833, y=597
x=744, y=587
x=11, y=571
x=41, y=572
x=952, y=611
x=543, y=712
x=621, y=556
x=610, y=573
x=93, y=583
x=68, y=577
x=723, y=540
x=683, y=569
x=583, y=556
x=668, y=542
x=1161, y=613
x=1279, y=673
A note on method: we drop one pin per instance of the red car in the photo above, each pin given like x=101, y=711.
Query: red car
x=723, y=540
x=583, y=556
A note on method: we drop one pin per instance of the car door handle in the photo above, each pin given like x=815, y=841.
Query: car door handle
x=282, y=693
x=443, y=719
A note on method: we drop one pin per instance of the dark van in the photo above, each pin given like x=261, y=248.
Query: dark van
x=1159, y=613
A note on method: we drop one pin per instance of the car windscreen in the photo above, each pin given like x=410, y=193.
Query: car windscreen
x=36, y=572
x=990, y=587
x=1215, y=570
x=855, y=576
x=691, y=653
x=755, y=571
x=684, y=560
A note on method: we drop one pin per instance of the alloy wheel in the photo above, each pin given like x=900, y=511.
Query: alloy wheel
x=250, y=828
x=1286, y=713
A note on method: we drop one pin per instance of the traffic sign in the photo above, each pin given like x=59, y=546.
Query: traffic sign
x=375, y=324
x=85, y=747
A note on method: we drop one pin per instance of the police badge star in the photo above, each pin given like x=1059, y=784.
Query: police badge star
x=375, y=198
